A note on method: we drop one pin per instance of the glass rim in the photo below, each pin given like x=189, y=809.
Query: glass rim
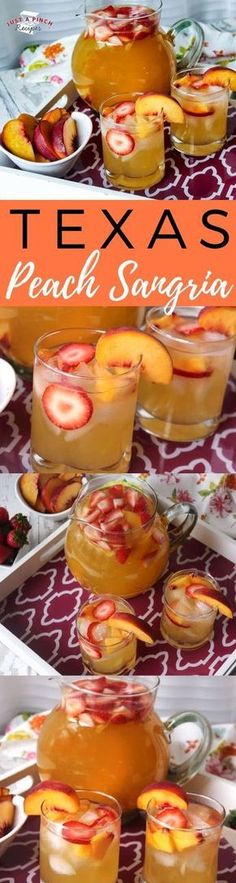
x=101, y=644
x=58, y=371
x=86, y=490
x=126, y=679
x=194, y=798
x=84, y=792
x=184, y=90
x=185, y=616
x=147, y=14
x=119, y=98
x=185, y=342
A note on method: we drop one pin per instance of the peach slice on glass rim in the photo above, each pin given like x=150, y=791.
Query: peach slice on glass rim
x=58, y=796
x=129, y=623
x=211, y=598
x=126, y=347
x=152, y=104
x=163, y=793
x=220, y=76
x=220, y=319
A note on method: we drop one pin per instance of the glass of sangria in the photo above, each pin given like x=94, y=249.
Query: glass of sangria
x=83, y=413
x=205, y=104
x=183, y=844
x=20, y=327
x=201, y=346
x=133, y=146
x=117, y=539
x=106, y=733
x=106, y=648
x=83, y=845
x=122, y=49
x=191, y=602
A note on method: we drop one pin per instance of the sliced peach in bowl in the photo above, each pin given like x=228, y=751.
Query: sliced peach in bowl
x=15, y=139
x=126, y=347
x=152, y=104
x=221, y=319
x=42, y=140
x=29, y=123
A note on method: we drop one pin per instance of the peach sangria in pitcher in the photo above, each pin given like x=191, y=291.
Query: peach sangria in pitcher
x=117, y=541
x=106, y=734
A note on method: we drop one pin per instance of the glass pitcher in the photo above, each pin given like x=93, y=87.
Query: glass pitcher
x=123, y=49
x=105, y=734
x=127, y=557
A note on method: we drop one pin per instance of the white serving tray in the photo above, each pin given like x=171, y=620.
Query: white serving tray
x=32, y=561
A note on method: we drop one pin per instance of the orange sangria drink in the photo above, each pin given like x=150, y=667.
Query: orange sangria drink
x=182, y=843
x=122, y=49
x=117, y=539
x=204, y=98
x=20, y=327
x=191, y=602
x=108, y=631
x=201, y=347
x=82, y=413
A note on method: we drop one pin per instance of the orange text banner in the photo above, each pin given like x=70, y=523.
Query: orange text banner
x=130, y=252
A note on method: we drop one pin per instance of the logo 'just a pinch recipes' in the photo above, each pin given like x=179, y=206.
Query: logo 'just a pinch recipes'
x=158, y=257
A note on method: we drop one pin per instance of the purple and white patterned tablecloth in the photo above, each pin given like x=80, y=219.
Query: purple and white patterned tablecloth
x=212, y=177
x=20, y=862
x=214, y=454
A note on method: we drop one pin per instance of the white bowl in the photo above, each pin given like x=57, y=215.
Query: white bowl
x=20, y=819
x=60, y=167
x=48, y=516
x=7, y=383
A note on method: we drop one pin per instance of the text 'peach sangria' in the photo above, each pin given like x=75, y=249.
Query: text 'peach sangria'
x=79, y=833
x=122, y=49
x=132, y=129
x=204, y=97
x=182, y=835
x=201, y=349
x=191, y=602
x=108, y=631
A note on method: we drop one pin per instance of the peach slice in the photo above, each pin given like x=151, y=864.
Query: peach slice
x=52, y=116
x=221, y=319
x=64, y=497
x=137, y=627
x=220, y=76
x=164, y=321
x=100, y=843
x=58, y=796
x=152, y=104
x=177, y=619
x=163, y=793
x=29, y=123
x=70, y=136
x=42, y=140
x=15, y=139
x=57, y=139
x=185, y=839
x=191, y=366
x=160, y=840
x=49, y=489
x=7, y=812
x=125, y=347
x=29, y=487
x=211, y=598
x=40, y=158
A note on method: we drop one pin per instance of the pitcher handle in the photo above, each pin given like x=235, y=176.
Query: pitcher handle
x=182, y=772
x=181, y=532
x=191, y=30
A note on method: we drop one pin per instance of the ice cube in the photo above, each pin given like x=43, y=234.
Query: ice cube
x=168, y=860
x=60, y=865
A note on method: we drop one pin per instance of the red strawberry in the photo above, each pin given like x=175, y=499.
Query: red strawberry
x=20, y=522
x=4, y=553
x=120, y=142
x=122, y=554
x=188, y=329
x=102, y=33
x=172, y=817
x=4, y=516
x=66, y=407
x=104, y=609
x=73, y=354
x=16, y=539
x=126, y=108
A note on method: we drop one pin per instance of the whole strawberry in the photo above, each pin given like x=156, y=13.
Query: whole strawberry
x=4, y=517
x=20, y=522
x=16, y=539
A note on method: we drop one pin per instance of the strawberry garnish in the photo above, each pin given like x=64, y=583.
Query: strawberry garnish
x=120, y=142
x=172, y=817
x=73, y=354
x=104, y=610
x=66, y=407
x=123, y=110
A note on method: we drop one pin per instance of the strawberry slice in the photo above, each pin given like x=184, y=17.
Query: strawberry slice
x=121, y=143
x=123, y=110
x=66, y=407
x=72, y=354
x=96, y=632
x=92, y=651
x=122, y=554
x=189, y=329
x=104, y=610
x=76, y=832
x=172, y=817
